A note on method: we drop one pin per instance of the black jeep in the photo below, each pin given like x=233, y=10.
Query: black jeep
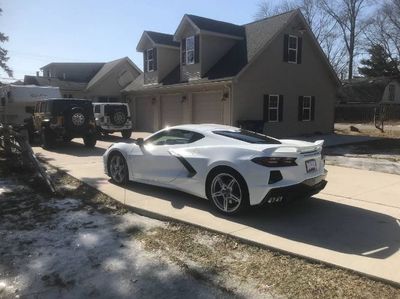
x=66, y=119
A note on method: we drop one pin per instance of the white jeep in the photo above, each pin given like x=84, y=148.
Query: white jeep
x=113, y=117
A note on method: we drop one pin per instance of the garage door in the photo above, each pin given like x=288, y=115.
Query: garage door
x=144, y=115
x=208, y=108
x=171, y=110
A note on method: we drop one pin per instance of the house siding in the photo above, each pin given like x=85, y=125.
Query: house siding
x=212, y=48
x=167, y=60
x=269, y=74
x=109, y=86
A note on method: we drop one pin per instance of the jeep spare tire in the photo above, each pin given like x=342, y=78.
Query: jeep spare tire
x=77, y=117
x=118, y=117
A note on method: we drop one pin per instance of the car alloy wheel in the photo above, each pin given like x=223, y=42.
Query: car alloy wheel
x=226, y=192
x=118, y=169
x=78, y=119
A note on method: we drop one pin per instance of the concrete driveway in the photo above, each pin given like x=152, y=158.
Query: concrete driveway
x=354, y=223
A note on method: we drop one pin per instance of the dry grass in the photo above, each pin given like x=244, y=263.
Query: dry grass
x=225, y=259
x=227, y=262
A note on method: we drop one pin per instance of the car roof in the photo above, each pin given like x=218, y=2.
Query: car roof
x=60, y=99
x=204, y=128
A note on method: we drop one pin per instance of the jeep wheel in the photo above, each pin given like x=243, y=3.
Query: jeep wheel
x=90, y=140
x=47, y=139
x=126, y=134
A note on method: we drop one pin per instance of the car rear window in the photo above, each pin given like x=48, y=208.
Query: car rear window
x=59, y=106
x=111, y=108
x=248, y=136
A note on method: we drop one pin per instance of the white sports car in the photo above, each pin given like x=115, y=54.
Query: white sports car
x=231, y=167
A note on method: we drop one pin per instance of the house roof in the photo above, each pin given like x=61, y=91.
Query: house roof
x=363, y=90
x=74, y=64
x=107, y=68
x=162, y=38
x=216, y=26
x=259, y=33
x=62, y=84
x=256, y=36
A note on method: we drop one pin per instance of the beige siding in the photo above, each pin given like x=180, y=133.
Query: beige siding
x=212, y=49
x=109, y=86
x=167, y=60
x=270, y=75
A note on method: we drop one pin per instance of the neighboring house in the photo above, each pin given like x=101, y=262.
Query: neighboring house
x=100, y=82
x=391, y=94
x=358, y=98
x=271, y=71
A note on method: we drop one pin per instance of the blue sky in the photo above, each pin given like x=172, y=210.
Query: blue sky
x=44, y=31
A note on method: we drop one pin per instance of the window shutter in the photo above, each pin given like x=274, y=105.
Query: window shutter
x=183, y=51
x=280, y=107
x=145, y=61
x=285, y=47
x=155, y=59
x=312, y=108
x=299, y=49
x=266, y=105
x=300, y=108
x=196, y=49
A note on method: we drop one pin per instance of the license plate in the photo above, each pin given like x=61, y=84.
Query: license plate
x=311, y=165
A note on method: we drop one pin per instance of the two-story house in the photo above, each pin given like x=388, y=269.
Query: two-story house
x=272, y=71
x=100, y=82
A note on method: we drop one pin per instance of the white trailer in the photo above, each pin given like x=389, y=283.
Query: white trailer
x=17, y=102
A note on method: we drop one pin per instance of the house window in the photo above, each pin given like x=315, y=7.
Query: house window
x=190, y=50
x=292, y=49
x=306, y=115
x=150, y=60
x=306, y=108
x=273, y=108
x=391, y=92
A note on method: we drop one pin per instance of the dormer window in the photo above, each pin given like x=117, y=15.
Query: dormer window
x=292, y=49
x=190, y=50
x=150, y=60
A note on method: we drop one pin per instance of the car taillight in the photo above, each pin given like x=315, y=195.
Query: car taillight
x=275, y=161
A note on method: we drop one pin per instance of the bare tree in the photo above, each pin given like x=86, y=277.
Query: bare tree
x=350, y=18
x=3, y=54
x=385, y=30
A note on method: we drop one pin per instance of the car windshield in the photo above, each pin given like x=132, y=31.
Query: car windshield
x=248, y=136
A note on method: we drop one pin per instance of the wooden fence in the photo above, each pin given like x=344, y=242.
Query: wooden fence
x=364, y=113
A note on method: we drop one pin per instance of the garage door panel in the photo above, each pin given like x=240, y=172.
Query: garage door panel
x=144, y=114
x=171, y=110
x=207, y=108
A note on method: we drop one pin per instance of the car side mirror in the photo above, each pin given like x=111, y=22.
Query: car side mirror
x=140, y=141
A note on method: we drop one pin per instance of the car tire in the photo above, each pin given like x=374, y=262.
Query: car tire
x=126, y=134
x=90, y=140
x=118, y=169
x=227, y=191
x=47, y=139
